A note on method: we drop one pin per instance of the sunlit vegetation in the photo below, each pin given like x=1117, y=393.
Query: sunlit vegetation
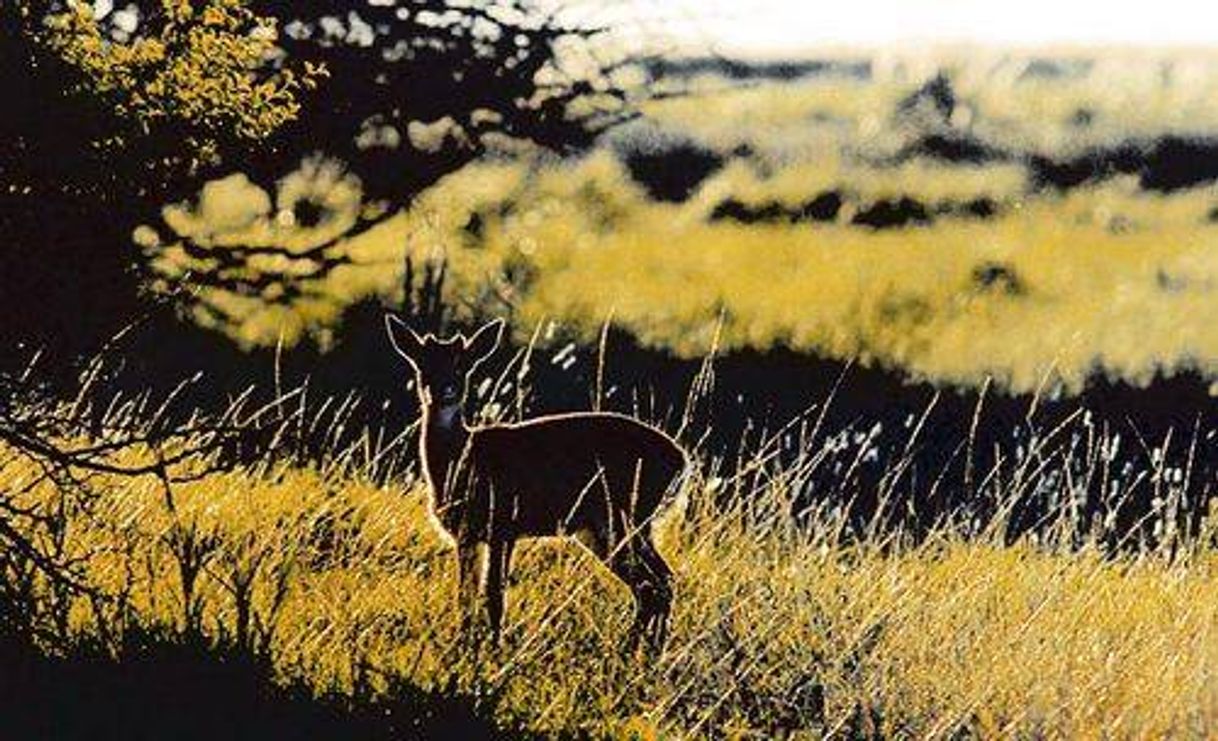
x=974, y=219
x=343, y=585
x=819, y=220
x=204, y=67
x=953, y=302
x=1028, y=99
x=264, y=265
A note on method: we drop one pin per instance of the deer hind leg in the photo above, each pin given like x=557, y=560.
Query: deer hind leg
x=499, y=562
x=654, y=593
x=641, y=567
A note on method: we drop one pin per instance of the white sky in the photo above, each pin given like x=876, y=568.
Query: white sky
x=776, y=27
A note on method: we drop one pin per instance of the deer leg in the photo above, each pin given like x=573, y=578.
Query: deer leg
x=618, y=559
x=499, y=563
x=644, y=571
x=655, y=602
x=469, y=570
x=626, y=565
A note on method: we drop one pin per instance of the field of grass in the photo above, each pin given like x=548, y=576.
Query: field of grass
x=818, y=214
x=973, y=536
x=1115, y=277
x=342, y=585
x=591, y=247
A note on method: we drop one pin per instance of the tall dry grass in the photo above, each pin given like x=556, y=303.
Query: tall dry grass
x=342, y=584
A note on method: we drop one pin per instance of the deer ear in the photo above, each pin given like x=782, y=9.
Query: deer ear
x=404, y=339
x=485, y=340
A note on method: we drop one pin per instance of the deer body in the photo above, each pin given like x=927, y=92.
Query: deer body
x=599, y=477
x=522, y=477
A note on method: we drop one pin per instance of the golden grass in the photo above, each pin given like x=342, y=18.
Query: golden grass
x=1111, y=279
x=1114, y=279
x=772, y=622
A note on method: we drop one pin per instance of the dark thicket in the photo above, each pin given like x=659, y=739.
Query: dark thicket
x=671, y=174
x=66, y=209
x=1164, y=164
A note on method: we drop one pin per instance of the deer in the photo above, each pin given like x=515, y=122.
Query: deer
x=596, y=477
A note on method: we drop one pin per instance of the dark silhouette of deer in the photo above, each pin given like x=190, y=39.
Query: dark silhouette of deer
x=597, y=477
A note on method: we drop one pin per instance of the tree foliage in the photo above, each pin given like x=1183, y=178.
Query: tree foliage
x=119, y=112
x=206, y=68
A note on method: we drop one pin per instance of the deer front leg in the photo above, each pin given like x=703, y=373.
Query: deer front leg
x=499, y=563
x=469, y=573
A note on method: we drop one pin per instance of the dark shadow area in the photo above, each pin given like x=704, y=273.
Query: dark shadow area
x=977, y=208
x=893, y=214
x=929, y=113
x=671, y=173
x=823, y=207
x=170, y=687
x=1162, y=165
x=1000, y=277
x=934, y=98
x=740, y=70
x=953, y=147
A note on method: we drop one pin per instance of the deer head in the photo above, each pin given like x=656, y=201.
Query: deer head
x=442, y=367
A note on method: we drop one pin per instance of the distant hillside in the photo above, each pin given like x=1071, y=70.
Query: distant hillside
x=751, y=70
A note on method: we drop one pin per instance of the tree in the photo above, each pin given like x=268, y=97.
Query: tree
x=102, y=126
x=121, y=112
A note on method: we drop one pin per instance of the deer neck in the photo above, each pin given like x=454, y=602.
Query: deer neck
x=441, y=445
